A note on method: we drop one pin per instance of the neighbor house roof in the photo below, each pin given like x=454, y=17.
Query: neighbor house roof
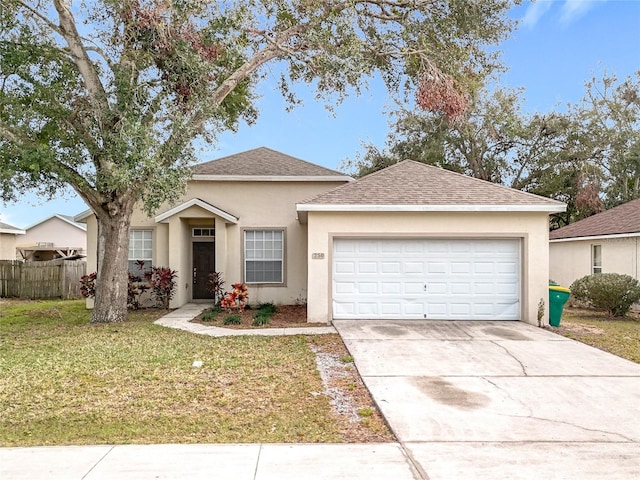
x=414, y=186
x=264, y=164
x=622, y=220
x=10, y=229
x=65, y=218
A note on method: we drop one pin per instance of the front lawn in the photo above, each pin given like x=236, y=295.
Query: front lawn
x=620, y=336
x=65, y=381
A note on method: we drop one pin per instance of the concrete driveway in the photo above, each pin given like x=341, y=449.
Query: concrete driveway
x=500, y=400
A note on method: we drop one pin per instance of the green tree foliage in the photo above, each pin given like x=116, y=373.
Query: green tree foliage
x=107, y=96
x=587, y=157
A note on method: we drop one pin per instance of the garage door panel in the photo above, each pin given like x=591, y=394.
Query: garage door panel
x=346, y=288
x=458, y=288
x=393, y=288
x=509, y=289
x=434, y=279
x=344, y=267
x=413, y=288
x=413, y=268
x=483, y=268
x=367, y=267
x=390, y=267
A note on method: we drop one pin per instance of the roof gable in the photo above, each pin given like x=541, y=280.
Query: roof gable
x=65, y=218
x=163, y=217
x=264, y=164
x=10, y=229
x=620, y=220
x=411, y=185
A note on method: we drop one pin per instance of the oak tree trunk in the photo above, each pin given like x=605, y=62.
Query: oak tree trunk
x=112, y=274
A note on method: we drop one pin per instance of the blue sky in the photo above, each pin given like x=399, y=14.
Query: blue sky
x=559, y=45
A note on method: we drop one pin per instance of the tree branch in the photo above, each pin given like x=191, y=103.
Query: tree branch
x=80, y=57
x=41, y=17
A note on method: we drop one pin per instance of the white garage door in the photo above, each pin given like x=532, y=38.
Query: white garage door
x=438, y=279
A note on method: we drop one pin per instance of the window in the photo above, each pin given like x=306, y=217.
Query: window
x=203, y=232
x=264, y=256
x=596, y=258
x=140, y=250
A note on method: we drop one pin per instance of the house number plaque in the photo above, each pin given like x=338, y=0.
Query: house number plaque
x=317, y=256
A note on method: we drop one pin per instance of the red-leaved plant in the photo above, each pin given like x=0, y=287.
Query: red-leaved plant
x=163, y=284
x=235, y=300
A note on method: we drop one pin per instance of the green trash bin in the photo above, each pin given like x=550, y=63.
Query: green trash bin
x=558, y=296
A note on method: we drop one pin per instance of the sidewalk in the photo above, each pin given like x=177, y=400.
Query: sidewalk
x=181, y=319
x=219, y=462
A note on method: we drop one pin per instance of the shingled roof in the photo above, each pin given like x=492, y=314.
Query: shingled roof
x=410, y=183
x=620, y=220
x=263, y=162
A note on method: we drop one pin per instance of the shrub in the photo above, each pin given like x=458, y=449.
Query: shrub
x=88, y=285
x=261, y=318
x=134, y=288
x=162, y=282
x=612, y=292
x=232, y=319
x=211, y=314
x=215, y=285
x=268, y=307
x=235, y=300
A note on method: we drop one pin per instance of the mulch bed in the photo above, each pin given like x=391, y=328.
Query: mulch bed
x=286, y=316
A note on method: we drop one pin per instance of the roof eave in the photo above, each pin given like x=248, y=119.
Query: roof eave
x=595, y=237
x=163, y=217
x=311, y=207
x=12, y=231
x=272, y=178
x=82, y=216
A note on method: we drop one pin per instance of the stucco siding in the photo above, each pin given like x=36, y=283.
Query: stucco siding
x=7, y=246
x=570, y=260
x=259, y=205
x=531, y=228
x=55, y=231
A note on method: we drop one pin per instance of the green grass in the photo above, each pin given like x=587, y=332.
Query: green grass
x=620, y=336
x=65, y=381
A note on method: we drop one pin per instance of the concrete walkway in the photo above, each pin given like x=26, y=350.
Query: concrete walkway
x=181, y=319
x=206, y=462
x=500, y=400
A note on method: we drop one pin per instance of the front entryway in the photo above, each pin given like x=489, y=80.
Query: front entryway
x=204, y=263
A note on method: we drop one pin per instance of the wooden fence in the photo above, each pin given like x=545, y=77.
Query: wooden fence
x=40, y=280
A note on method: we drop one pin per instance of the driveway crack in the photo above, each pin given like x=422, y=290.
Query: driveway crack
x=524, y=369
x=509, y=396
x=586, y=429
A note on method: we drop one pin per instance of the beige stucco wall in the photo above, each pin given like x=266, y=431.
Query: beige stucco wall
x=56, y=231
x=532, y=228
x=268, y=204
x=571, y=260
x=8, y=246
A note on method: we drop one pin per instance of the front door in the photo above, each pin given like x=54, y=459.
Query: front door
x=204, y=263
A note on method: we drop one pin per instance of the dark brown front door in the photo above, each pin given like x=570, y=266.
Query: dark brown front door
x=204, y=263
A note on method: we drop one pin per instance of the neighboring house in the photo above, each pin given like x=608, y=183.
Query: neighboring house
x=608, y=242
x=409, y=242
x=57, y=236
x=8, y=234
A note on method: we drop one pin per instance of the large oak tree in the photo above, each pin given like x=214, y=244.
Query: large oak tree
x=108, y=96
